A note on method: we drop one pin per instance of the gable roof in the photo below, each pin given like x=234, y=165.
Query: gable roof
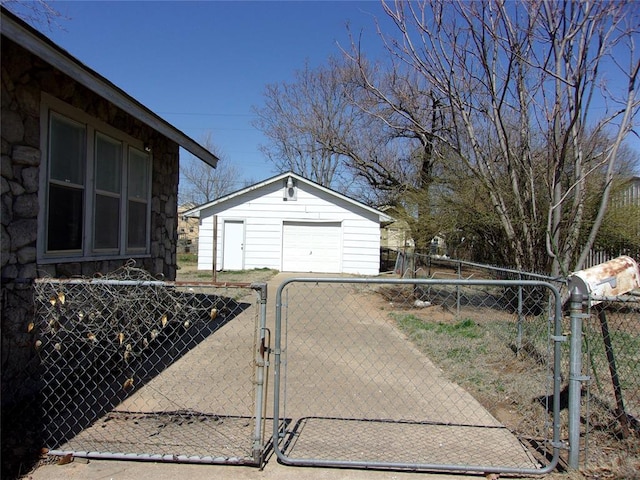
x=35, y=42
x=195, y=212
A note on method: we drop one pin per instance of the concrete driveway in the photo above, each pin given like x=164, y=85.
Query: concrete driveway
x=353, y=388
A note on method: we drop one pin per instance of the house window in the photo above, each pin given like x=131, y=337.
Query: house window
x=67, y=146
x=138, y=193
x=106, y=231
x=98, y=191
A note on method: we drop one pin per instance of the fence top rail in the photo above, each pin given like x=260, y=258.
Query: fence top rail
x=497, y=269
x=423, y=281
x=212, y=284
x=101, y=281
x=632, y=297
x=141, y=283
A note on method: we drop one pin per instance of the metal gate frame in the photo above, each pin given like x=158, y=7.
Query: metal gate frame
x=556, y=336
x=58, y=315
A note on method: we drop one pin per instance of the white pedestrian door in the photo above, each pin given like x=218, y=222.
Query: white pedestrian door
x=233, y=245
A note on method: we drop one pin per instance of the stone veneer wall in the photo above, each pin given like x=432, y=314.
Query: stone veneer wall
x=24, y=76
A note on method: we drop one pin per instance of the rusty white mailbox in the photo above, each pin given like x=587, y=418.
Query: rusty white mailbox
x=609, y=279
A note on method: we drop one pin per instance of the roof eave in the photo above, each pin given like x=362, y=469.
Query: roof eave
x=195, y=212
x=42, y=47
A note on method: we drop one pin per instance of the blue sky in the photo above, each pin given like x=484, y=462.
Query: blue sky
x=203, y=65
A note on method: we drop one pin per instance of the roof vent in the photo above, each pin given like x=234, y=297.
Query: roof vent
x=290, y=190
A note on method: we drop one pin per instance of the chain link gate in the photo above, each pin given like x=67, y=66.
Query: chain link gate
x=139, y=369
x=460, y=375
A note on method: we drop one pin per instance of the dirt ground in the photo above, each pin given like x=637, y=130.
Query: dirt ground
x=188, y=272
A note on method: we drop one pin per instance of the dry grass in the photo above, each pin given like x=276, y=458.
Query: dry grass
x=476, y=350
x=188, y=272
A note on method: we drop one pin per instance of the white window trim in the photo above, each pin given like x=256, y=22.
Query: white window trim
x=50, y=104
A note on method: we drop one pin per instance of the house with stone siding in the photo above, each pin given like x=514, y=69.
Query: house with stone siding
x=89, y=179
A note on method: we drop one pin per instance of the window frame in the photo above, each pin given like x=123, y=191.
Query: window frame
x=68, y=184
x=129, y=198
x=106, y=193
x=52, y=107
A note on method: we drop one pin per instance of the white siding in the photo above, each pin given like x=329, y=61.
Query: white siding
x=264, y=212
x=361, y=247
x=205, y=243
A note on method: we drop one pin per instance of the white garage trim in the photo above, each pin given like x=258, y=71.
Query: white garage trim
x=314, y=230
x=311, y=247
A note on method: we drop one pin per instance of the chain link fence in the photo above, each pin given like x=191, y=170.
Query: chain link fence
x=132, y=367
x=409, y=264
x=611, y=394
x=459, y=367
x=609, y=419
x=418, y=374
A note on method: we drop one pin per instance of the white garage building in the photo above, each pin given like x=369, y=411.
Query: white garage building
x=290, y=224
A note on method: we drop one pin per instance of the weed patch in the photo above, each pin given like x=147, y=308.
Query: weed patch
x=506, y=366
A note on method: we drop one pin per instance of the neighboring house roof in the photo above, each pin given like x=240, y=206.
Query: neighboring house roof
x=38, y=44
x=391, y=209
x=195, y=212
x=186, y=206
x=629, y=194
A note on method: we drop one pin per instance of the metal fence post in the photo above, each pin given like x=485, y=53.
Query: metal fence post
x=520, y=319
x=620, y=411
x=575, y=377
x=459, y=271
x=261, y=355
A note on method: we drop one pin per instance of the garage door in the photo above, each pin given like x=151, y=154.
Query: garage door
x=311, y=247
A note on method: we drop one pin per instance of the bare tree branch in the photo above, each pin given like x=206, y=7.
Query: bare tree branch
x=200, y=183
x=38, y=13
x=519, y=82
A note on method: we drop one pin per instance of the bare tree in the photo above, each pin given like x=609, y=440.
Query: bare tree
x=328, y=127
x=39, y=13
x=301, y=120
x=200, y=183
x=404, y=112
x=519, y=82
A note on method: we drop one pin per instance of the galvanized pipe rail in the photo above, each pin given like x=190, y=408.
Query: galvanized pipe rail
x=556, y=337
